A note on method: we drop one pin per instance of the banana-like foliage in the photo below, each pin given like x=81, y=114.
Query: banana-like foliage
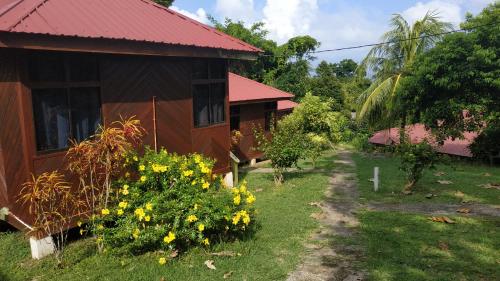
x=391, y=61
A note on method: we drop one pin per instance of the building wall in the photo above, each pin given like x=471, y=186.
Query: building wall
x=251, y=115
x=128, y=85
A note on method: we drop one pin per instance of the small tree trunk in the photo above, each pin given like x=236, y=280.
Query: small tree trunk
x=278, y=176
x=402, y=130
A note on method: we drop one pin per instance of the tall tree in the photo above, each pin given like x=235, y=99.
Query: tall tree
x=165, y=3
x=455, y=87
x=378, y=105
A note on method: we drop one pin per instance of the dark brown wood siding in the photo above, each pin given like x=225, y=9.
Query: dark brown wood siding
x=127, y=86
x=250, y=115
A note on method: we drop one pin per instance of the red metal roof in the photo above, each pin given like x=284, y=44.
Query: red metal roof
x=243, y=90
x=286, y=104
x=418, y=132
x=133, y=20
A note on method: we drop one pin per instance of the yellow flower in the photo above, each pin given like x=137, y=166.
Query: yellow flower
x=194, y=182
x=195, y=206
x=149, y=206
x=135, y=158
x=125, y=192
x=243, y=188
x=136, y=233
x=79, y=223
x=142, y=168
x=127, y=175
x=187, y=173
x=192, y=218
x=246, y=219
x=169, y=238
x=235, y=191
x=159, y=168
x=100, y=227
x=119, y=212
x=139, y=213
x=237, y=199
x=105, y=212
x=236, y=218
x=81, y=231
x=206, y=241
x=201, y=227
x=123, y=205
x=205, y=185
x=147, y=218
x=205, y=170
x=143, y=178
x=197, y=159
x=125, y=186
x=162, y=261
x=250, y=198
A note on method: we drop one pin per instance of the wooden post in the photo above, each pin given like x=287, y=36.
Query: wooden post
x=155, y=133
x=375, y=178
x=235, y=161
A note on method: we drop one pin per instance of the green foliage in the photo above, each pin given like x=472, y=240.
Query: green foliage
x=316, y=144
x=380, y=103
x=461, y=74
x=285, y=146
x=165, y=3
x=415, y=158
x=487, y=143
x=292, y=77
x=171, y=202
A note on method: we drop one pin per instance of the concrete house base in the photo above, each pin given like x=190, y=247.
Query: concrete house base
x=41, y=248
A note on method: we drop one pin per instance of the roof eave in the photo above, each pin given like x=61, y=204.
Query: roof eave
x=115, y=46
x=239, y=102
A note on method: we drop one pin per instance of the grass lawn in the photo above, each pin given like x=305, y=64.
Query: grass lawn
x=465, y=179
x=411, y=247
x=274, y=250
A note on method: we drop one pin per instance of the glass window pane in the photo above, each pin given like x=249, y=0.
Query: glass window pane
x=234, y=110
x=217, y=102
x=268, y=119
x=85, y=112
x=200, y=105
x=217, y=69
x=46, y=67
x=83, y=67
x=50, y=108
x=200, y=69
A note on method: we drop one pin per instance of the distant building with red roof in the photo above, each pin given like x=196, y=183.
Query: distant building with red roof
x=68, y=66
x=418, y=132
x=254, y=104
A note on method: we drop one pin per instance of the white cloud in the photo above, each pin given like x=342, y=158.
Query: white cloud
x=449, y=11
x=288, y=18
x=236, y=10
x=200, y=15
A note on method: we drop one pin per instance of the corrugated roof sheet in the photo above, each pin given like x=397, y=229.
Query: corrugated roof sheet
x=242, y=89
x=134, y=20
x=418, y=132
x=286, y=104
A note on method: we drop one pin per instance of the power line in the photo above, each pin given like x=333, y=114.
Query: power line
x=395, y=41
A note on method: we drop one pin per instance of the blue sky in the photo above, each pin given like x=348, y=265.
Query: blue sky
x=335, y=23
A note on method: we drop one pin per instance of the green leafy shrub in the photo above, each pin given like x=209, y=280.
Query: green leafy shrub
x=286, y=145
x=315, y=146
x=415, y=158
x=171, y=202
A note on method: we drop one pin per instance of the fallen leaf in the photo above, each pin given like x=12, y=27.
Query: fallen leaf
x=224, y=254
x=259, y=190
x=486, y=175
x=459, y=194
x=429, y=195
x=174, y=254
x=443, y=246
x=163, y=279
x=444, y=182
x=210, y=264
x=318, y=216
x=315, y=204
x=442, y=219
x=438, y=174
x=490, y=185
x=371, y=180
x=463, y=210
x=228, y=274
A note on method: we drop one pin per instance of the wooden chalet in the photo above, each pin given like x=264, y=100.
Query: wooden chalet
x=253, y=104
x=67, y=66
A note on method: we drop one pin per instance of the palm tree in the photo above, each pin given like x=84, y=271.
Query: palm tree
x=390, y=62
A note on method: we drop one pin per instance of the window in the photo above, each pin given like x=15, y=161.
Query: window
x=269, y=114
x=209, y=92
x=65, y=93
x=235, y=118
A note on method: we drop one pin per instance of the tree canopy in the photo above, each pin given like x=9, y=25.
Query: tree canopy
x=165, y=3
x=456, y=85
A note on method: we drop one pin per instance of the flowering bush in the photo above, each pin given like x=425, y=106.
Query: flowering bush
x=168, y=202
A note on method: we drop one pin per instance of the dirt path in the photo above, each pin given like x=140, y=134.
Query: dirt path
x=436, y=208
x=325, y=260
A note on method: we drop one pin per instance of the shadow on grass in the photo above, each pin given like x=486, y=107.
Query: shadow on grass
x=411, y=247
